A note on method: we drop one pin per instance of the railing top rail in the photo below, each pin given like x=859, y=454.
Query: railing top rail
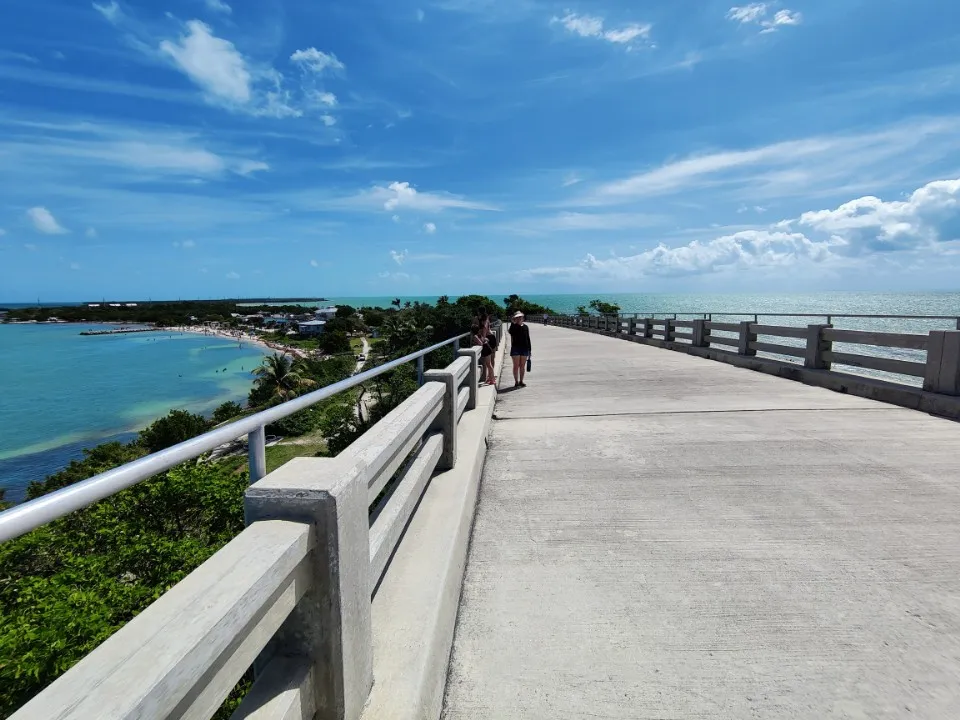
x=804, y=315
x=30, y=515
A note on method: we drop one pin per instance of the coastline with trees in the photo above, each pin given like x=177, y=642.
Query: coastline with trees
x=66, y=587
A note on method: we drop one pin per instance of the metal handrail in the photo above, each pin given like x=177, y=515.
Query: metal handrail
x=30, y=515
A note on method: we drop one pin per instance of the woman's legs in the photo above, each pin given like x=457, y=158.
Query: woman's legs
x=523, y=368
x=491, y=373
x=517, y=361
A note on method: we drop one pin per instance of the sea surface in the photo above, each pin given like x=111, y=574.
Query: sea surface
x=61, y=392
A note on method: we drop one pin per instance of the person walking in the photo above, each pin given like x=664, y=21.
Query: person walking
x=520, y=348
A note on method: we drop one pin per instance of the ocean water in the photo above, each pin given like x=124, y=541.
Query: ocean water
x=61, y=392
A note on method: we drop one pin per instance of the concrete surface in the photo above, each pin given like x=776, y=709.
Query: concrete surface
x=663, y=536
x=415, y=606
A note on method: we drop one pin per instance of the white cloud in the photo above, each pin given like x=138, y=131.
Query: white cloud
x=219, y=6
x=429, y=228
x=816, y=165
x=29, y=246
x=316, y=60
x=91, y=232
x=748, y=13
x=2, y=232
x=397, y=276
x=928, y=221
x=314, y=263
x=420, y=15
x=186, y=244
x=756, y=14
x=248, y=167
x=328, y=120
x=928, y=217
x=44, y=221
x=111, y=11
x=399, y=257
x=401, y=195
x=212, y=63
x=591, y=26
x=395, y=218
x=576, y=221
x=326, y=98
x=233, y=275
x=74, y=266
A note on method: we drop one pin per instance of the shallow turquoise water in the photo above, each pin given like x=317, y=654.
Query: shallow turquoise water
x=61, y=392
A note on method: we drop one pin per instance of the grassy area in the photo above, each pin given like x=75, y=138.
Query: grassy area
x=356, y=344
x=283, y=453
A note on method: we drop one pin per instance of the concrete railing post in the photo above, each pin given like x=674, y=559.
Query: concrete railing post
x=746, y=337
x=648, y=328
x=816, y=347
x=632, y=326
x=668, y=330
x=473, y=378
x=331, y=624
x=446, y=421
x=943, y=363
x=700, y=334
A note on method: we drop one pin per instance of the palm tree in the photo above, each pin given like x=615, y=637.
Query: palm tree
x=396, y=301
x=279, y=373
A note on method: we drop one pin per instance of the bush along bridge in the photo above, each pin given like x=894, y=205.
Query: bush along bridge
x=637, y=533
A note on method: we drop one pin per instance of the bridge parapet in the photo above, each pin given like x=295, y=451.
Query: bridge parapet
x=292, y=594
x=914, y=370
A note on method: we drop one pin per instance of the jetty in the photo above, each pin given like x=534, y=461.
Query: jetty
x=120, y=331
x=662, y=524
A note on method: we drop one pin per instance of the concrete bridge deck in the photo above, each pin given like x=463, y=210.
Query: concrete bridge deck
x=661, y=536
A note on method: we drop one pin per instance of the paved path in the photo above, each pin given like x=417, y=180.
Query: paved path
x=661, y=536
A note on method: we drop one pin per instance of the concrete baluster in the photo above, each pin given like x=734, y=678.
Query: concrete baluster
x=446, y=421
x=648, y=328
x=632, y=326
x=700, y=334
x=943, y=363
x=473, y=378
x=746, y=337
x=331, y=624
x=816, y=347
x=668, y=330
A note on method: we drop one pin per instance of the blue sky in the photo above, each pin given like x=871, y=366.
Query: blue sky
x=276, y=147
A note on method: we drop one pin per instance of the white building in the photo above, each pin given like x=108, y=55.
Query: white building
x=325, y=313
x=312, y=328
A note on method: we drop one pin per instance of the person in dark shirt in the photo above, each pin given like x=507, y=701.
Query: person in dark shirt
x=520, y=348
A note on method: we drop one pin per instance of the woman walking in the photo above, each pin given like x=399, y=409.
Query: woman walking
x=520, y=348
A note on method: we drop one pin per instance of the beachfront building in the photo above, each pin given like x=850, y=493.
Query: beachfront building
x=312, y=328
x=325, y=313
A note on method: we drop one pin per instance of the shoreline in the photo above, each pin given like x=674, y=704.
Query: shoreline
x=239, y=336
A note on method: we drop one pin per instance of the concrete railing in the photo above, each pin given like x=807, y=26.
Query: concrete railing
x=936, y=355
x=291, y=595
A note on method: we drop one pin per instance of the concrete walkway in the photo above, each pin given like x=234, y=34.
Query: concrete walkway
x=660, y=536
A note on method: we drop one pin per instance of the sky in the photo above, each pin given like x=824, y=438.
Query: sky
x=223, y=148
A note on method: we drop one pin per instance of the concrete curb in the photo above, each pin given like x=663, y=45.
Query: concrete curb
x=415, y=607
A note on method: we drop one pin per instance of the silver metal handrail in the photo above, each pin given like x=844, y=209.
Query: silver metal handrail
x=30, y=515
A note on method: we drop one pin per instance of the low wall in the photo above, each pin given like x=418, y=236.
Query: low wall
x=915, y=398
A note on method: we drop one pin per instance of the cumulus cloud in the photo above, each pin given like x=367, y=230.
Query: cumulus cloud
x=219, y=6
x=757, y=14
x=590, y=26
x=328, y=120
x=402, y=195
x=326, y=98
x=316, y=61
x=44, y=221
x=927, y=221
x=928, y=217
x=399, y=257
x=429, y=228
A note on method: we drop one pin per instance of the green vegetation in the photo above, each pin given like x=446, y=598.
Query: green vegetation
x=602, y=308
x=66, y=587
x=164, y=314
x=335, y=342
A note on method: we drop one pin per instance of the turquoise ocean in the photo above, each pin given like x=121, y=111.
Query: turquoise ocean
x=61, y=392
